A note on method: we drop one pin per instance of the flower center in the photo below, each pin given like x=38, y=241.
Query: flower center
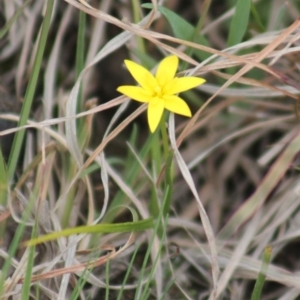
x=158, y=91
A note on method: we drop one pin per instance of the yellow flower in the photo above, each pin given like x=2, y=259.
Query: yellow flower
x=159, y=91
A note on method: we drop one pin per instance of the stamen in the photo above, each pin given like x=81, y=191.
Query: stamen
x=157, y=90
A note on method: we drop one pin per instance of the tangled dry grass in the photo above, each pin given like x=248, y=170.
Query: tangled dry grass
x=89, y=158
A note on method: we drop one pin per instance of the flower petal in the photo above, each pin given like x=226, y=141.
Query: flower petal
x=155, y=111
x=141, y=75
x=135, y=92
x=178, y=85
x=177, y=105
x=166, y=70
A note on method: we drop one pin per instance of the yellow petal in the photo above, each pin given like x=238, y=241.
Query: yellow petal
x=145, y=79
x=135, y=92
x=178, y=85
x=166, y=70
x=155, y=111
x=177, y=105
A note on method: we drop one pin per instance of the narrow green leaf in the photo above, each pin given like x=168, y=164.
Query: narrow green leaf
x=130, y=267
x=262, y=274
x=169, y=181
x=3, y=180
x=182, y=29
x=30, y=265
x=136, y=11
x=239, y=23
x=3, y=191
x=16, y=15
x=80, y=284
x=82, y=127
x=99, y=228
x=80, y=44
x=18, y=139
x=257, y=18
x=107, y=280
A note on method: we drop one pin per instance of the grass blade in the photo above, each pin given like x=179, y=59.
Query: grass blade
x=16, y=148
x=262, y=274
x=99, y=228
x=239, y=23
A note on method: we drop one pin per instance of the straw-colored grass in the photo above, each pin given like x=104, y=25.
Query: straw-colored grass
x=94, y=206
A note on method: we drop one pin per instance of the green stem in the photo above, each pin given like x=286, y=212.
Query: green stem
x=164, y=134
x=136, y=18
x=262, y=274
x=169, y=172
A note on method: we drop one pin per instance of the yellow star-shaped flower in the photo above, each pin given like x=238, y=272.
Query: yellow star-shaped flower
x=160, y=91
